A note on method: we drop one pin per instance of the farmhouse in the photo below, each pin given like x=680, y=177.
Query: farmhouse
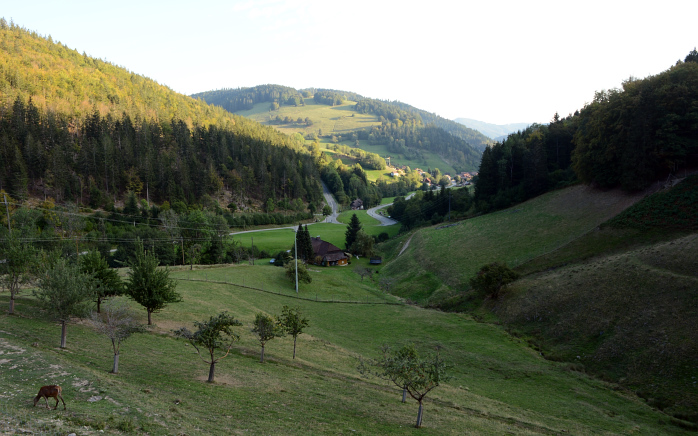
x=327, y=254
x=357, y=204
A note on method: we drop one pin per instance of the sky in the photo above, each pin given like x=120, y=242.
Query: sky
x=494, y=61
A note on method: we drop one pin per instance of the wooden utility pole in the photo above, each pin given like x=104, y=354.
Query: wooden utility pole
x=7, y=209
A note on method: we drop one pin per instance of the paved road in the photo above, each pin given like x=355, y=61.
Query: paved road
x=329, y=199
x=385, y=221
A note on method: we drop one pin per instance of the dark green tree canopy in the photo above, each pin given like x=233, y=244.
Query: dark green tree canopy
x=107, y=280
x=20, y=260
x=148, y=285
x=352, y=231
x=65, y=292
x=492, y=278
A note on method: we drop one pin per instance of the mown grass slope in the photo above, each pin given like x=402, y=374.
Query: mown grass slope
x=330, y=120
x=627, y=317
x=499, y=385
x=616, y=297
x=440, y=260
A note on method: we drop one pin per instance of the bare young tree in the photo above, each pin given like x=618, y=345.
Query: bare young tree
x=266, y=329
x=117, y=322
x=363, y=272
x=404, y=368
x=293, y=322
x=216, y=333
x=386, y=284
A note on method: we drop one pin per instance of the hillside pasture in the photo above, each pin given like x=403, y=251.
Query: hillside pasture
x=275, y=240
x=440, y=260
x=499, y=384
x=335, y=120
x=627, y=316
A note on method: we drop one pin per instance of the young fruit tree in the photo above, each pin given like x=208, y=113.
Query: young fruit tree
x=214, y=334
x=266, y=330
x=117, y=322
x=64, y=292
x=108, y=284
x=19, y=261
x=293, y=322
x=408, y=371
x=149, y=286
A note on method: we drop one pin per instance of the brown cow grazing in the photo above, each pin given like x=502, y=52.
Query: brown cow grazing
x=53, y=391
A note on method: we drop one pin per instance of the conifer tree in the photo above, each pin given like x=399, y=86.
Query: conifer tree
x=352, y=231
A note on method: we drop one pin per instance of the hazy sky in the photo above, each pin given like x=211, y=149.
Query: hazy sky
x=494, y=61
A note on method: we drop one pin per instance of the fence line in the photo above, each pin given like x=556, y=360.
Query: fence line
x=297, y=297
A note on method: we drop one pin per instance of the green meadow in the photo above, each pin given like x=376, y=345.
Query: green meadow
x=340, y=120
x=499, y=385
x=335, y=120
x=439, y=260
x=275, y=240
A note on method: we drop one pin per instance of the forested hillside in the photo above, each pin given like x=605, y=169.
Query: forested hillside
x=80, y=129
x=626, y=137
x=404, y=129
x=240, y=99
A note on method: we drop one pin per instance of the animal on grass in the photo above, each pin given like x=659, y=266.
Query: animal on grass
x=52, y=391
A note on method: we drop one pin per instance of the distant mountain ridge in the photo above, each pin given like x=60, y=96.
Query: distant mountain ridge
x=402, y=128
x=494, y=131
x=238, y=99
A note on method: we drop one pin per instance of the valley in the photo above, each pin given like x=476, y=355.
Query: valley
x=594, y=215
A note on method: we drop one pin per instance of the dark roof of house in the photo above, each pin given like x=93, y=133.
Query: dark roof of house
x=322, y=248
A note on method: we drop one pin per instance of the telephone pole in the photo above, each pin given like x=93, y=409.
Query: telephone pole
x=7, y=209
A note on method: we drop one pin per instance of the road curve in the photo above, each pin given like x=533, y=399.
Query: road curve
x=329, y=199
x=385, y=221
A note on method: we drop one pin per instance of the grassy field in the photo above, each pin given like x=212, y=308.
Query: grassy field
x=431, y=160
x=331, y=120
x=440, y=260
x=275, y=240
x=499, y=385
x=339, y=120
x=626, y=315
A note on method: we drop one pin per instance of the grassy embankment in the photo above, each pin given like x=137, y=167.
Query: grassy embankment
x=617, y=299
x=499, y=384
x=440, y=260
x=621, y=301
